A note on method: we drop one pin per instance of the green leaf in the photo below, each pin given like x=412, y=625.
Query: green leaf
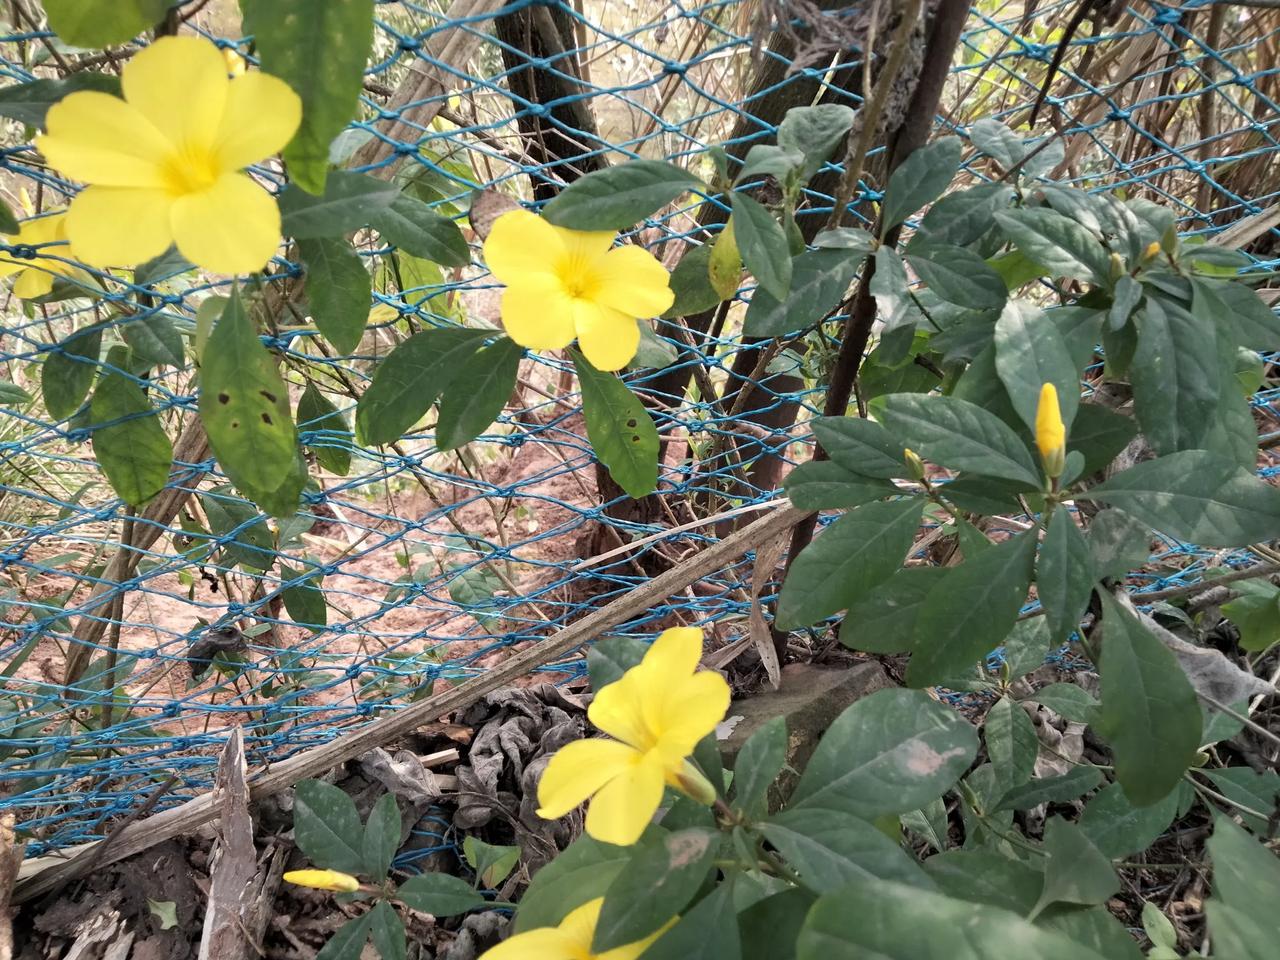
x=415, y=228
x=1059, y=244
x=920, y=180
x=819, y=279
x=9, y=225
x=1256, y=614
x=769, y=927
x=1256, y=323
x=491, y=862
x=1031, y=352
x=958, y=275
x=758, y=764
x=654, y=352
x=29, y=102
x=1197, y=497
x=338, y=289
x=68, y=372
x=1175, y=376
x=998, y=142
x=853, y=240
x=320, y=51
x=1027, y=645
x=305, y=601
x=898, y=308
x=129, y=442
x=708, y=931
x=829, y=847
x=963, y=217
x=1150, y=714
x=1099, y=435
x=580, y=873
x=387, y=930
x=1059, y=789
x=348, y=202
x=476, y=396
x=815, y=132
x=244, y=405
x=890, y=752
x=764, y=247
x=103, y=23
x=985, y=876
x=691, y=283
x=165, y=911
x=154, y=341
x=1256, y=790
x=1077, y=871
x=663, y=876
x=960, y=435
x=439, y=894
x=348, y=943
x=893, y=921
x=1118, y=544
x=884, y=619
x=621, y=432
x=1012, y=744
x=616, y=198
x=317, y=414
x=1158, y=928
x=608, y=659
x=381, y=837
x=1246, y=874
x=1125, y=299
x=771, y=160
x=409, y=379
x=1064, y=575
x=1071, y=701
x=863, y=446
x=970, y=611
x=1118, y=828
x=823, y=485
x=12, y=393
x=327, y=828
x=251, y=542
x=163, y=267
x=858, y=551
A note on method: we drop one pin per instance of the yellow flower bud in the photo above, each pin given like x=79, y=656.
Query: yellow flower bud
x=913, y=464
x=1152, y=249
x=1051, y=433
x=1117, y=267
x=694, y=785
x=235, y=62
x=323, y=880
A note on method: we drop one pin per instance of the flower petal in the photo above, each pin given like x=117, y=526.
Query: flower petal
x=33, y=282
x=537, y=314
x=608, y=338
x=689, y=709
x=585, y=250
x=676, y=652
x=579, y=925
x=119, y=225
x=634, y=282
x=626, y=804
x=632, y=951
x=233, y=227
x=521, y=244
x=618, y=709
x=98, y=138
x=544, y=943
x=261, y=116
x=180, y=85
x=577, y=770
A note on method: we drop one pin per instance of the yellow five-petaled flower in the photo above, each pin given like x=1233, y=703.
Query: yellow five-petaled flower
x=563, y=284
x=656, y=713
x=35, y=275
x=1051, y=433
x=324, y=880
x=165, y=164
x=571, y=940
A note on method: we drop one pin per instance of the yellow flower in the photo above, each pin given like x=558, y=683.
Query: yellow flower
x=324, y=880
x=657, y=712
x=563, y=284
x=1051, y=433
x=569, y=941
x=235, y=63
x=35, y=276
x=164, y=165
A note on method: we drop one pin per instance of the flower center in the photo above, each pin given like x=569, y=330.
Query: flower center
x=190, y=171
x=579, y=280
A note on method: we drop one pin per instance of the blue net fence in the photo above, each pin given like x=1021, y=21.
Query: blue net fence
x=435, y=566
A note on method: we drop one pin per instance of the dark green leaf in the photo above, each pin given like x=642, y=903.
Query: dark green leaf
x=1030, y=352
x=823, y=485
x=819, y=279
x=1150, y=714
x=1059, y=244
x=320, y=50
x=863, y=446
x=348, y=943
x=767, y=159
x=1126, y=297
x=898, y=308
x=892, y=751
x=763, y=245
x=664, y=874
x=1118, y=828
x=957, y=434
x=1069, y=700
x=249, y=539
x=68, y=372
x=1027, y=645
x=29, y=102
x=958, y=275
x=491, y=862
x=861, y=549
x=709, y=931
x=1197, y=497
x=1059, y=789
x=476, y=396
x=1255, y=322
x=332, y=441
x=11, y=393
x=884, y=619
x=1118, y=544
x=985, y=495
x=615, y=198
x=815, y=132
x=304, y=601
x=1012, y=744
x=153, y=340
x=1175, y=376
x=828, y=848
x=381, y=837
x=387, y=930
x=1099, y=435
x=160, y=268
x=349, y=200
x=439, y=894
x=621, y=432
x=920, y=179
x=971, y=610
x=102, y=23
x=758, y=764
x=1081, y=327
x=1256, y=790
x=770, y=926
x=327, y=828
x=409, y=379
x=851, y=239
x=964, y=216
x=610, y=658
x=421, y=232
x=580, y=873
x=998, y=142
x=985, y=876
x=1256, y=614
x=338, y=289
x=129, y=442
x=1077, y=871
x=1246, y=874
x=1092, y=927
x=1064, y=575
x=691, y=283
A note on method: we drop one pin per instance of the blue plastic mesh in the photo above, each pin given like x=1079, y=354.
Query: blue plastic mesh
x=436, y=565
